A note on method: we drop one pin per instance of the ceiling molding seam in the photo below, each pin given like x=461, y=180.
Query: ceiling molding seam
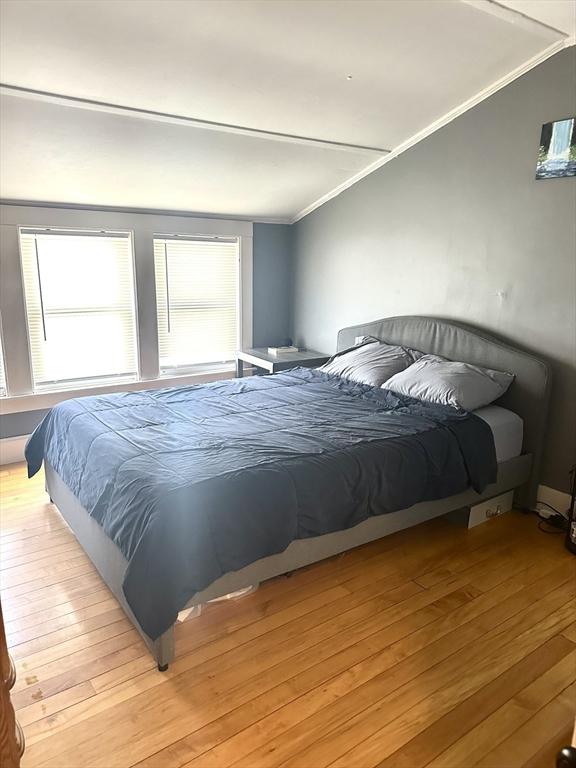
x=190, y=122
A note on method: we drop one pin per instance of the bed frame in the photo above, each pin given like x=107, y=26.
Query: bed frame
x=528, y=397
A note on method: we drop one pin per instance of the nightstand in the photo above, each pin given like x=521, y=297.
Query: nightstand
x=260, y=358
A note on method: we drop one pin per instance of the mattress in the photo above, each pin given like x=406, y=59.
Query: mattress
x=507, y=428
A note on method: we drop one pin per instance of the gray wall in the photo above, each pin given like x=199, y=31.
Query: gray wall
x=458, y=227
x=272, y=280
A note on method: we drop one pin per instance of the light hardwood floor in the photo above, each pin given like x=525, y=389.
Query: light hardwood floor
x=433, y=647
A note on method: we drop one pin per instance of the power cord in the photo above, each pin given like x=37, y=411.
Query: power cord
x=550, y=523
x=553, y=520
x=556, y=511
x=556, y=523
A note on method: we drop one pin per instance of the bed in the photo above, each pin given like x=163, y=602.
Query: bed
x=287, y=470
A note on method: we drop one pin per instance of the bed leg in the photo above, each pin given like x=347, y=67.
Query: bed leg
x=48, y=492
x=164, y=649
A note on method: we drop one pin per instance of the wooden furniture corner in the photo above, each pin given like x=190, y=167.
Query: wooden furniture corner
x=11, y=735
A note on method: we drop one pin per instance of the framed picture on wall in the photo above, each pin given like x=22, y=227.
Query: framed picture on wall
x=557, y=153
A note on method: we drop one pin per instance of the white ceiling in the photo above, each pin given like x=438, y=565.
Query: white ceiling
x=278, y=66
x=89, y=157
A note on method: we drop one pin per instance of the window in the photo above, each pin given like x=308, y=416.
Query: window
x=197, y=301
x=80, y=305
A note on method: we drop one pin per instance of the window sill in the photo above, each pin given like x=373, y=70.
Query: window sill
x=41, y=400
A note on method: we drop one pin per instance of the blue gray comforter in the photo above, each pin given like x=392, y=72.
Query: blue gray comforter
x=197, y=481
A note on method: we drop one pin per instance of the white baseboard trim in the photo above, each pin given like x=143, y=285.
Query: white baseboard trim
x=557, y=499
x=12, y=449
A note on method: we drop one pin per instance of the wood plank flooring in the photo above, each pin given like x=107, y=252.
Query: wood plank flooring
x=434, y=647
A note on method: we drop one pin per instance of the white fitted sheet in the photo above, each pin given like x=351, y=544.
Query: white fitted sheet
x=507, y=428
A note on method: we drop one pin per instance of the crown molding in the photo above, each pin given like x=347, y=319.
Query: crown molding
x=485, y=93
x=518, y=18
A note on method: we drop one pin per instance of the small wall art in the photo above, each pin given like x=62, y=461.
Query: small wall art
x=557, y=153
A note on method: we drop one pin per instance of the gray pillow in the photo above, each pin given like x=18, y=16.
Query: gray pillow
x=437, y=380
x=372, y=363
x=415, y=354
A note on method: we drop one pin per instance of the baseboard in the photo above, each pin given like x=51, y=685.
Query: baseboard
x=557, y=499
x=12, y=449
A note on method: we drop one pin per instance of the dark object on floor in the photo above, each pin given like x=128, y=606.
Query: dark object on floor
x=162, y=667
x=566, y=758
x=571, y=532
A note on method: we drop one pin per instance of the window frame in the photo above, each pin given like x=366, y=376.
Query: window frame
x=82, y=384
x=143, y=226
x=200, y=367
x=3, y=385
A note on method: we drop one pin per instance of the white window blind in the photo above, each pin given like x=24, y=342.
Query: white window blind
x=197, y=301
x=80, y=304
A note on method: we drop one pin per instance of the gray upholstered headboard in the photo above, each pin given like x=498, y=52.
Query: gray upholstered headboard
x=528, y=396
